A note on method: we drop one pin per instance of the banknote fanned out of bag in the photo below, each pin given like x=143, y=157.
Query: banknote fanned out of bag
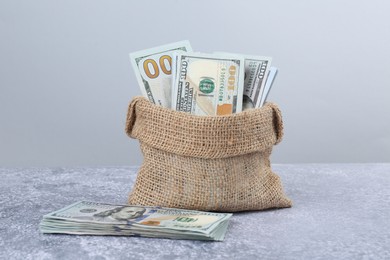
x=211, y=163
x=153, y=70
x=207, y=84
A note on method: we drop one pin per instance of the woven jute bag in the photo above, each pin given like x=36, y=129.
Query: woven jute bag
x=211, y=163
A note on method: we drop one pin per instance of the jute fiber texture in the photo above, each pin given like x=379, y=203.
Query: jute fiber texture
x=210, y=163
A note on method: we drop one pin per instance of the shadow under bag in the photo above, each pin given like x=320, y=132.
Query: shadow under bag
x=210, y=163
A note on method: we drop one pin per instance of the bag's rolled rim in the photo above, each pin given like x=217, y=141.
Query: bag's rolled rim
x=140, y=101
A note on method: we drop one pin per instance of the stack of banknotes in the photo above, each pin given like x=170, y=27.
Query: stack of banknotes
x=175, y=77
x=91, y=218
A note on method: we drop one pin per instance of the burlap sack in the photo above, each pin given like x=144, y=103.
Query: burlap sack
x=211, y=163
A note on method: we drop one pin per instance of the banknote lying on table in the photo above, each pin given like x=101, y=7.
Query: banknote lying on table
x=92, y=218
x=221, y=83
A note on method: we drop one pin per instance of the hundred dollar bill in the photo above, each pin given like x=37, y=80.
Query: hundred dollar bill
x=256, y=71
x=268, y=84
x=92, y=218
x=153, y=69
x=207, y=84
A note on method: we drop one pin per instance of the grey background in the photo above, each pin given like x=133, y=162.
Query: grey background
x=66, y=80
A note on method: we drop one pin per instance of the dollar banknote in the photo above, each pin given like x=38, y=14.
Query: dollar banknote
x=92, y=218
x=268, y=84
x=256, y=71
x=207, y=84
x=153, y=69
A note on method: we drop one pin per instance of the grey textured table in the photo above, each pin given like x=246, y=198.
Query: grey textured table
x=341, y=211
